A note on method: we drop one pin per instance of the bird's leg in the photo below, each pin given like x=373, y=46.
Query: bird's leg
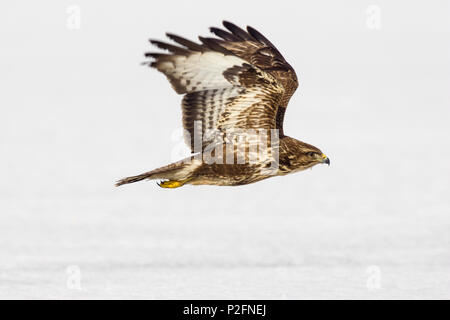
x=173, y=183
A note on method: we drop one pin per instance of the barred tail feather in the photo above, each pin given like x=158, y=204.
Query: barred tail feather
x=175, y=171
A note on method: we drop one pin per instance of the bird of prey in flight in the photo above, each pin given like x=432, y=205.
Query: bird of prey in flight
x=236, y=90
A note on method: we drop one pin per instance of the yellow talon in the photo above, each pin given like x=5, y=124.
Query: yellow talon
x=172, y=183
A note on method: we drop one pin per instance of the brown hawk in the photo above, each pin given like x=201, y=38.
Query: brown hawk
x=236, y=89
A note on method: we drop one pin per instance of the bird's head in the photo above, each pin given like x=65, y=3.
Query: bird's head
x=297, y=155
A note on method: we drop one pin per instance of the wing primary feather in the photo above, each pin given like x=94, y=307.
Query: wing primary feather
x=156, y=56
x=258, y=36
x=185, y=42
x=169, y=47
x=214, y=45
x=238, y=32
x=224, y=34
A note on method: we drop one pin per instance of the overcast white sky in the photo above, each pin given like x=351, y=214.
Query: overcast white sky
x=78, y=111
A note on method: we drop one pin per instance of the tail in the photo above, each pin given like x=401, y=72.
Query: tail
x=132, y=179
x=175, y=171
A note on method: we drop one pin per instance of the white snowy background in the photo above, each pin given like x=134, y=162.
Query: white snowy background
x=78, y=111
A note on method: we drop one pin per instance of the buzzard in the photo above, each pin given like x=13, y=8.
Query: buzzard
x=236, y=90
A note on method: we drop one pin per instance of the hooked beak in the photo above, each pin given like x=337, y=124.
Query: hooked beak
x=325, y=159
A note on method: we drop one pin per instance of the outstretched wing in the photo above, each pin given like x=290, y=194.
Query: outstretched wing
x=253, y=47
x=223, y=92
x=256, y=49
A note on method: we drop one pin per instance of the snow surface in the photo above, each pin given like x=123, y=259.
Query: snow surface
x=78, y=113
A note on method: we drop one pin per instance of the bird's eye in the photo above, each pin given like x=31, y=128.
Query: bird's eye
x=311, y=154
